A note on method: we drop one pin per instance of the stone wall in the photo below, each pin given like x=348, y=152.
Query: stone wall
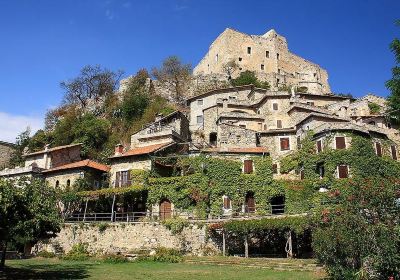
x=125, y=238
x=6, y=151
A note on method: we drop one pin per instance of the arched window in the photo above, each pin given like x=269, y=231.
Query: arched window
x=213, y=139
x=278, y=205
x=68, y=183
x=57, y=184
x=372, y=123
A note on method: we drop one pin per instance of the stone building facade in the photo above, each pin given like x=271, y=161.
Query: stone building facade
x=268, y=56
x=245, y=118
x=6, y=150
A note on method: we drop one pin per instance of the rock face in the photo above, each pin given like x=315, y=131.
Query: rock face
x=6, y=150
x=268, y=56
x=126, y=238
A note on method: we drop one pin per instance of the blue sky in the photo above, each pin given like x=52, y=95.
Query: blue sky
x=44, y=42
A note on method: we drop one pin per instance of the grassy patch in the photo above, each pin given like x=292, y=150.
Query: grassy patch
x=60, y=269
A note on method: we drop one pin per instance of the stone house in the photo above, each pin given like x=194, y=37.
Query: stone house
x=61, y=167
x=6, y=150
x=268, y=56
x=166, y=135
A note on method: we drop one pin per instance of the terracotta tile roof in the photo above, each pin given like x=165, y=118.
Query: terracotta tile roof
x=53, y=149
x=143, y=150
x=83, y=163
x=251, y=150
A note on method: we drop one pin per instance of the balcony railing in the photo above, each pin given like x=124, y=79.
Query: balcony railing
x=151, y=216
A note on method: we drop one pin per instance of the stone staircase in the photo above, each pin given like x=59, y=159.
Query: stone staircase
x=266, y=263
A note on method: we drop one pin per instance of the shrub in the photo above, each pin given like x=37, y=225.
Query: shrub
x=167, y=255
x=46, y=254
x=113, y=258
x=175, y=225
x=103, y=227
x=78, y=252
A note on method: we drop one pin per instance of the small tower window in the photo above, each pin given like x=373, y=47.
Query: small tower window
x=68, y=183
x=262, y=66
x=248, y=50
x=277, y=56
x=216, y=58
x=240, y=59
x=57, y=184
x=267, y=54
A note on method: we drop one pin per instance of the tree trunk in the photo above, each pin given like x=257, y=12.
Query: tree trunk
x=246, y=246
x=3, y=256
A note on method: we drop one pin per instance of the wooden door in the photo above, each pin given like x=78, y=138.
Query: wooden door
x=165, y=209
x=250, y=203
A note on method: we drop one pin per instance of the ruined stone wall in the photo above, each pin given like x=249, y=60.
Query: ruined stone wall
x=235, y=136
x=72, y=175
x=269, y=57
x=128, y=238
x=5, y=154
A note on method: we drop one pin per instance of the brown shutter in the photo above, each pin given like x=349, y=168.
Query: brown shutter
x=274, y=168
x=117, y=178
x=284, y=144
x=319, y=146
x=279, y=124
x=394, y=152
x=343, y=171
x=248, y=166
x=378, y=148
x=275, y=106
x=340, y=143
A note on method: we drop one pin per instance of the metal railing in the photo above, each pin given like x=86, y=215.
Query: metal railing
x=149, y=216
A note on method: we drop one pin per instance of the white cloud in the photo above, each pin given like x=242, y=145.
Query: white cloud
x=12, y=125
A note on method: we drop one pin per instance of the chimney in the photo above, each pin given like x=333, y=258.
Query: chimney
x=158, y=117
x=119, y=149
x=46, y=147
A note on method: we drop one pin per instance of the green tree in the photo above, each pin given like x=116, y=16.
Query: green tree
x=28, y=212
x=394, y=83
x=21, y=142
x=249, y=77
x=175, y=74
x=357, y=236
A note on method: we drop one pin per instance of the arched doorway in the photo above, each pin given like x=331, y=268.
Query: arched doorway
x=165, y=209
x=250, y=204
x=278, y=205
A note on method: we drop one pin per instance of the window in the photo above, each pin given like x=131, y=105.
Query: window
x=199, y=101
x=240, y=59
x=275, y=168
x=279, y=71
x=248, y=50
x=68, y=183
x=302, y=176
x=123, y=178
x=319, y=146
x=213, y=138
x=285, y=143
x=227, y=202
x=394, y=152
x=310, y=103
x=340, y=143
x=343, y=171
x=275, y=106
x=321, y=170
x=57, y=184
x=238, y=138
x=277, y=81
x=247, y=166
x=242, y=125
x=265, y=127
x=378, y=149
x=96, y=184
x=240, y=68
x=277, y=56
x=216, y=58
x=279, y=124
x=200, y=119
x=232, y=97
x=262, y=66
x=267, y=54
